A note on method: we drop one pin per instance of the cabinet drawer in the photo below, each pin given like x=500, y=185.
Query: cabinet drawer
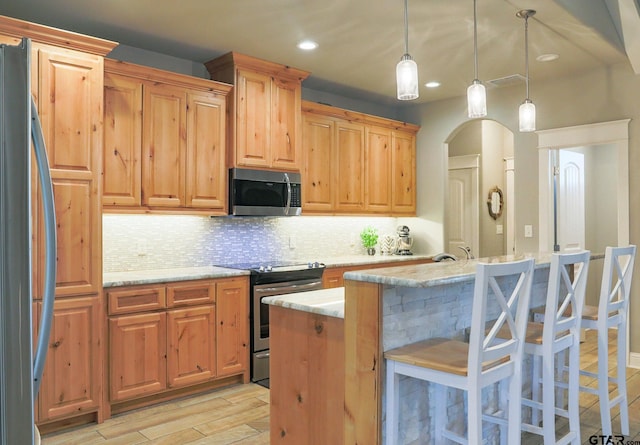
x=191, y=293
x=130, y=300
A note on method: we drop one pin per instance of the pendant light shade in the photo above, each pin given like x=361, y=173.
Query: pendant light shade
x=476, y=93
x=407, y=78
x=527, y=111
x=477, y=100
x=407, y=69
x=527, y=116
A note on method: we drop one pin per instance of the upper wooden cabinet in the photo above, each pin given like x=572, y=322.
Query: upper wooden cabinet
x=354, y=163
x=265, y=111
x=165, y=139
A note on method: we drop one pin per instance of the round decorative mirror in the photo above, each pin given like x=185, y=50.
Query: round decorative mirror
x=494, y=202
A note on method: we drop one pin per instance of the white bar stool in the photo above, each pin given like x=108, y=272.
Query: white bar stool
x=559, y=332
x=611, y=312
x=472, y=366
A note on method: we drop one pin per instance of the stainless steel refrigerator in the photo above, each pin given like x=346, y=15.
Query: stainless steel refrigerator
x=21, y=369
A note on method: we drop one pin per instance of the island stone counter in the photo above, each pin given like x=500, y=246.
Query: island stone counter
x=391, y=307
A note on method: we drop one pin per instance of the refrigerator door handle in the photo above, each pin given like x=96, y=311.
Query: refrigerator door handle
x=50, y=247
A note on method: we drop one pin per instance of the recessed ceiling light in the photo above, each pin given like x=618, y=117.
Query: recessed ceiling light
x=432, y=84
x=547, y=57
x=307, y=45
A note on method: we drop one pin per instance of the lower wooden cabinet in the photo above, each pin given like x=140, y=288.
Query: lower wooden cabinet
x=71, y=382
x=137, y=351
x=191, y=355
x=175, y=335
x=232, y=326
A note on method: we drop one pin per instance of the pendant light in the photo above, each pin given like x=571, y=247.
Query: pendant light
x=527, y=111
x=407, y=69
x=476, y=93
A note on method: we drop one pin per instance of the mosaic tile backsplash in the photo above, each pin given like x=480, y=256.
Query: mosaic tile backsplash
x=144, y=242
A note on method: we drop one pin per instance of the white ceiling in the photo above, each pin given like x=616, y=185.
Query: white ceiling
x=360, y=40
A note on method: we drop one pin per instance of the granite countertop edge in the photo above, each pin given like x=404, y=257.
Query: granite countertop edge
x=329, y=302
x=140, y=277
x=438, y=274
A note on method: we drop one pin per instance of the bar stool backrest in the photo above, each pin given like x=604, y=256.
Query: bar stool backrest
x=616, y=285
x=509, y=284
x=565, y=294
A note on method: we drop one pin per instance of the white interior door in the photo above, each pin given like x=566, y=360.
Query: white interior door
x=463, y=210
x=571, y=205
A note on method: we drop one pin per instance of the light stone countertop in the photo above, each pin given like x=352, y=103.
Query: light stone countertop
x=436, y=274
x=357, y=260
x=329, y=302
x=140, y=277
x=136, y=277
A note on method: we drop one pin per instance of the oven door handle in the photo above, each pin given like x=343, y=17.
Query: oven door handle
x=287, y=289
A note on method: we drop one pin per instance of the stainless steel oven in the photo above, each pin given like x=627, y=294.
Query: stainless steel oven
x=266, y=281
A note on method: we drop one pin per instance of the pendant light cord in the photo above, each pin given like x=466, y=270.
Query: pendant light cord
x=526, y=51
x=475, y=38
x=406, y=27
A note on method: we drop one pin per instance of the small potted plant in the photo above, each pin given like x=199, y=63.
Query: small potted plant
x=369, y=237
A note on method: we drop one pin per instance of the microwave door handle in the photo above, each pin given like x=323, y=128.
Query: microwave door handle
x=288, y=206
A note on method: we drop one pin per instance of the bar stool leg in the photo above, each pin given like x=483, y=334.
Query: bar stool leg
x=622, y=379
x=573, y=392
x=392, y=404
x=440, y=412
x=474, y=412
x=603, y=381
x=548, y=393
x=503, y=405
x=536, y=382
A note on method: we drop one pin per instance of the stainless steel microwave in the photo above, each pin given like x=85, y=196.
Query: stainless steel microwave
x=264, y=193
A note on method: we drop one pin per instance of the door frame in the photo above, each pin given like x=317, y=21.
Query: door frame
x=603, y=133
x=457, y=163
x=614, y=133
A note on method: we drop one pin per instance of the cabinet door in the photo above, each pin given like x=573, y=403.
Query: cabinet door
x=71, y=383
x=333, y=278
x=70, y=91
x=70, y=107
x=191, y=349
x=232, y=326
x=206, y=167
x=137, y=355
x=163, y=146
x=285, y=124
x=403, y=175
x=318, y=157
x=350, y=167
x=253, y=119
x=122, y=141
x=378, y=171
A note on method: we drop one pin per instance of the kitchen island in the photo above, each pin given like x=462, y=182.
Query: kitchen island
x=384, y=309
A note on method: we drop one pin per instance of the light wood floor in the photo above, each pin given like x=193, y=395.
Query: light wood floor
x=240, y=416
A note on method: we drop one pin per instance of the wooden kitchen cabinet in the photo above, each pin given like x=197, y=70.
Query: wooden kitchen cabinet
x=71, y=382
x=403, y=175
x=138, y=357
x=371, y=159
x=318, y=181
x=165, y=139
x=164, y=145
x=377, y=177
x=232, y=327
x=264, y=110
x=191, y=356
x=67, y=86
x=349, y=166
x=175, y=336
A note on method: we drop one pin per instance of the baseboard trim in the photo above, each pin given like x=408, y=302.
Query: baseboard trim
x=634, y=360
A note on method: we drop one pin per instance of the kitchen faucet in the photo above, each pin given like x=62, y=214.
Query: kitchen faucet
x=467, y=252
